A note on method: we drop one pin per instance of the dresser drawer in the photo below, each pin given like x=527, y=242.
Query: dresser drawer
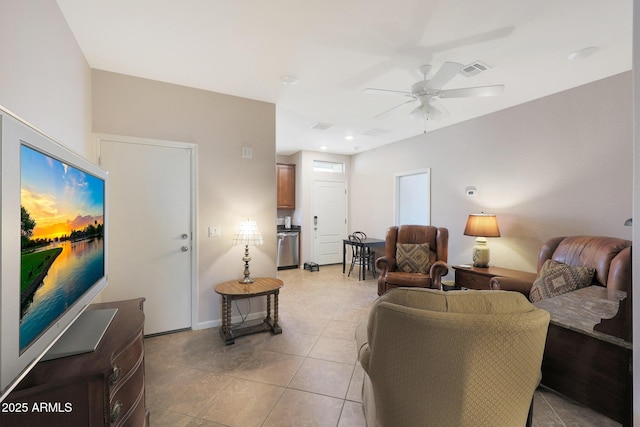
x=138, y=416
x=126, y=399
x=125, y=362
x=471, y=280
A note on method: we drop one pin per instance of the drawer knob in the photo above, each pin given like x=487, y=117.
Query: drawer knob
x=115, y=411
x=113, y=378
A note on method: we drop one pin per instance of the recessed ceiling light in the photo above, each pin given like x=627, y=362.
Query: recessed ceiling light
x=324, y=147
x=582, y=53
x=288, y=79
x=349, y=137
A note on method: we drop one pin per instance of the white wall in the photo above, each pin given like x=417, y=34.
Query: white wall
x=44, y=77
x=560, y=165
x=230, y=188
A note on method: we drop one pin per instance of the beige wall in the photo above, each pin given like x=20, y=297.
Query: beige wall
x=560, y=165
x=230, y=188
x=44, y=77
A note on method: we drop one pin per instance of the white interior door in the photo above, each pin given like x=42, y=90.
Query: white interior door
x=150, y=229
x=329, y=221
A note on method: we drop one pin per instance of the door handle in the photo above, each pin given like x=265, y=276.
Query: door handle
x=184, y=236
x=185, y=248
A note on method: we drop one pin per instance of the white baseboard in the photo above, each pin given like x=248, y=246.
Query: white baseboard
x=234, y=319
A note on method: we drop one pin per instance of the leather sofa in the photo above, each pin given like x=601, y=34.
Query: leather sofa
x=609, y=256
x=438, y=240
x=461, y=358
x=588, y=353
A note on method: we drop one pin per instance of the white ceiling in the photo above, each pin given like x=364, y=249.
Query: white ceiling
x=339, y=47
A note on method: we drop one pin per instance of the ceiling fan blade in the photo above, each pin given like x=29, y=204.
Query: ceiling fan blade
x=384, y=113
x=445, y=74
x=387, y=91
x=472, y=91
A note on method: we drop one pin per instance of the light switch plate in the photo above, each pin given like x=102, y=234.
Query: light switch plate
x=214, y=231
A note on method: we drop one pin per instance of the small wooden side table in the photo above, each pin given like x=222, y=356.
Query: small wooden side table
x=233, y=290
x=479, y=277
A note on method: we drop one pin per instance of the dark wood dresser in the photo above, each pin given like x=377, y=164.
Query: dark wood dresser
x=102, y=388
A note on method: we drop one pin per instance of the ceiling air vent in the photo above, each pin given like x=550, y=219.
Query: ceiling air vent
x=321, y=126
x=376, y=132
x=474, y=69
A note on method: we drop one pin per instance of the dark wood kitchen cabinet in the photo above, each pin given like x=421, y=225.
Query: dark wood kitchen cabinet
x=286, y=182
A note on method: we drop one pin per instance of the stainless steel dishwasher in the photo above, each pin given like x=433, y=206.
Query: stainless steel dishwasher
x=287, y=249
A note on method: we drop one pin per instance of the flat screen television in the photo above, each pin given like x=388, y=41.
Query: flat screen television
x=53, y=253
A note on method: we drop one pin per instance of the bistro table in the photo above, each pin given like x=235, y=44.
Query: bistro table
x=233, y=290
x=365, y=243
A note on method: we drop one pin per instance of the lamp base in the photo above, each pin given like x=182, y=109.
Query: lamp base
x=481, y=253
x=247, y=276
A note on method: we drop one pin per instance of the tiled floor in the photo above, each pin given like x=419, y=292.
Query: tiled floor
x=307, y=376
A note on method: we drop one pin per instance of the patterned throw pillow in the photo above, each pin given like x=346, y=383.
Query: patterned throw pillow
x=413, y=258
x=556, y=279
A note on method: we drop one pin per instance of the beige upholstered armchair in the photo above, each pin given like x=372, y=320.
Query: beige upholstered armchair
x=459, y=358
x=415, y=256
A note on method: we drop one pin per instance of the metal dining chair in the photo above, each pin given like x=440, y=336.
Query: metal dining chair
x=361, y=256
x=369, y=251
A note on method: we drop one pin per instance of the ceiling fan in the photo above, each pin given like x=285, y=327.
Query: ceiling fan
x=426, y=92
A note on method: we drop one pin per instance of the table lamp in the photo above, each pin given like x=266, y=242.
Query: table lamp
x=246, y=234
x=481, y=225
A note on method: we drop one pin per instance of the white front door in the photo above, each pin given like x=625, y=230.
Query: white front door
x=329, y=221
x=150, y=235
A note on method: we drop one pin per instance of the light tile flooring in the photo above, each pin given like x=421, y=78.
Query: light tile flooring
x=307, y=376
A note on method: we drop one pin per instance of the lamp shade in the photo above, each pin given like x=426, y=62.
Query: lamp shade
x=247, y=233
x=482, y=225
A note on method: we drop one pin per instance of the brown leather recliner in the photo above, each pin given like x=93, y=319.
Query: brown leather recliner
x=438, y=240
x=610, y=256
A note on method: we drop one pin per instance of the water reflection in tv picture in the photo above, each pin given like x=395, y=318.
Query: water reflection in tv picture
x=62, y=239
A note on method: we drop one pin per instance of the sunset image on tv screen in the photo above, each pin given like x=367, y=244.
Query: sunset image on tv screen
x=62, y=239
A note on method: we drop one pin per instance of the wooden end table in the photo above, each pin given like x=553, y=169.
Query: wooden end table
x=233, y=290
x=479, y=277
